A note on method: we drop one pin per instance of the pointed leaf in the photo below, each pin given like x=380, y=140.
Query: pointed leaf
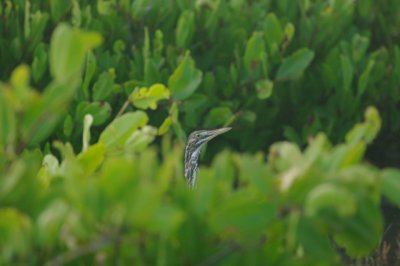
x=185, y=79
x=294, y=65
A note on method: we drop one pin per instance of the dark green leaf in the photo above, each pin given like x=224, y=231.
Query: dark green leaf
x=185, y=79
x=294, y=65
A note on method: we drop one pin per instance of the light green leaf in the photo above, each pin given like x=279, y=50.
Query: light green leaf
x=116, y=133
x=264, y=89
x=329, y=196
x=368, y=130
x=76, y=14
x=185, y=79
x=148, y=97
x=91, y=158
x=50, y=222
x=20, y=80
x=140, y=139
x=294, y=65
x=105, y=7
x=165, y=126
x=16, y=231
x=67, y=50
x=289, y=31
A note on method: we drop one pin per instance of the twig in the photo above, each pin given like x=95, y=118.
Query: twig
x=123, y=108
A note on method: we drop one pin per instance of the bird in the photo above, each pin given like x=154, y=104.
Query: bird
x=195, y=142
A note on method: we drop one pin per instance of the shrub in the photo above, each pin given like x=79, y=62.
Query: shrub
x=91, y=160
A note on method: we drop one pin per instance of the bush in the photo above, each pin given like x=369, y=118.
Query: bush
x=91, y=160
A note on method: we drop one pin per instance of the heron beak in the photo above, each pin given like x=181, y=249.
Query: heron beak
x=216, y=132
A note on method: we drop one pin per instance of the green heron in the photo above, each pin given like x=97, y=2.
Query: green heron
x=195, y=141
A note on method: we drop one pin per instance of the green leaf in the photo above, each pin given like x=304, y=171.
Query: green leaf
x=289, y=31
x=329, y=196
x=240, y=216
x=391, y=185
x=257, y=173
x=58, y=9
x=347, y=72
x=165, y=126
x=39, y=64
x=314, y=241
x=102, y=89
x=100, y=111
x=185, y=28
x=139, y=8
x=7, y=121
x=359, y=45
x=105, y=7
x=218, y=116
x=42, y=116
x=185, y=79
x=364, y=78
x=90, y=69
x=144, y=98
x=140, y=139
x=361, y=234
x=68, y=126
x=116, y=133
x=273, y=30
x=294, y=65
x=368, y=130
x=255, y=51
x=67, y=50
x=264, y=89
x=16, y=231
x=76, y=19
x=91, y=158
x=20, y=80
x=50, y=222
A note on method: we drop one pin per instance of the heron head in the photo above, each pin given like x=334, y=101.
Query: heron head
x=200, y=137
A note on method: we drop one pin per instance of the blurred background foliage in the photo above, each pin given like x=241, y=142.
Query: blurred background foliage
x=97, y=98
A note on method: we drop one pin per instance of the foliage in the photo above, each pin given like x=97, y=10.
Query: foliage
x=91, y=160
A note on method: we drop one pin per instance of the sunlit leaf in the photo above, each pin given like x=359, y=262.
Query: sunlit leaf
x=118, y=131
x=148, y=97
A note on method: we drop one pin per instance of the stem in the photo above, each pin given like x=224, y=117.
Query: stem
x=125, y=105
x=123, y=108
